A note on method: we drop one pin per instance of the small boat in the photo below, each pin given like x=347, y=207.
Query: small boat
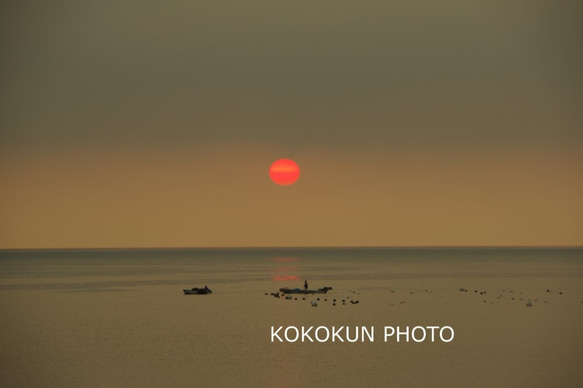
x=300, y=291
x=198, y=291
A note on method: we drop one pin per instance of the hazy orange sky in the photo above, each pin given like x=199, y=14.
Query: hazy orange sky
x=153, y=124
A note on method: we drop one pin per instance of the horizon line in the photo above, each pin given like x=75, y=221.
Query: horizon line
x=300, y=247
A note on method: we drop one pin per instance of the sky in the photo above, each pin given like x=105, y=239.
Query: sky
x=414, y=123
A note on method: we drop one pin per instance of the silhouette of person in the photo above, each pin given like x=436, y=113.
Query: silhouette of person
x=306, y=285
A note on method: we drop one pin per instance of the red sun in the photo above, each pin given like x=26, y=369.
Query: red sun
x=284, y=172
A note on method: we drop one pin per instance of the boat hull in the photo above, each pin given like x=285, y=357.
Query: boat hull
x=197, y=291
x=300, y=291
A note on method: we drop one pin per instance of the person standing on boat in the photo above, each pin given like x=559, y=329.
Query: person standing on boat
x=305, y=285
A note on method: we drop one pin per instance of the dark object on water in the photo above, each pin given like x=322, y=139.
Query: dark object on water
x=300, y=291
x=198, y=291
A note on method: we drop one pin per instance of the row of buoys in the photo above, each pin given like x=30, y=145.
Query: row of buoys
x=314, y=303
x=528, y=303
x=462, y=289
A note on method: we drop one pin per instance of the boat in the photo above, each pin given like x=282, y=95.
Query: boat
x=300, y=291
x=198, y=291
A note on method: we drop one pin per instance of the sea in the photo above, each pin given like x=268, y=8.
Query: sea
x=119, y=317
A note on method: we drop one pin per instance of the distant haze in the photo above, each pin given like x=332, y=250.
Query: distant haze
x=150, y=124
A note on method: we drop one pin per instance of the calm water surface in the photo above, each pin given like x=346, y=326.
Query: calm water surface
x=118, y=318
x=85, y=269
